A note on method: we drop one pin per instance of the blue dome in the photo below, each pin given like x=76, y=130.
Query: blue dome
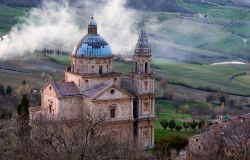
x=92, y=45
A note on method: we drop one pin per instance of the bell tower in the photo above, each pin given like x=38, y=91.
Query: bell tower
x=142, y=79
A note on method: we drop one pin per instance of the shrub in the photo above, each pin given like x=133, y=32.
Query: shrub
x=178, y=128
x=9, y=91
x=2, y=90
x=164, y=124
x=172, y=124
x=165, y=145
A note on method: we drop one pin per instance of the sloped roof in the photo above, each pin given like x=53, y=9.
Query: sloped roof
x=94, y=90
x=67, y=88
x=63, y=89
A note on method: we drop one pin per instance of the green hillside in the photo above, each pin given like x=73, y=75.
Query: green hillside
x=9, y=16
x=234, y=78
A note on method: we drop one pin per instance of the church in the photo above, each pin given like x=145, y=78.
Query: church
x=90, y=85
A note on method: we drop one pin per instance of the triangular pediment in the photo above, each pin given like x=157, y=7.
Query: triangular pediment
x=112, y=93
x=49, y=89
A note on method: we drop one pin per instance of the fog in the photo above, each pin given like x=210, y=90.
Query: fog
x=60, y=26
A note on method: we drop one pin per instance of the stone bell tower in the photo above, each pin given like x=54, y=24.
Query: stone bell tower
x=142, y=79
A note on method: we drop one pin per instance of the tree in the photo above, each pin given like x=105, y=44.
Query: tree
x=184, y=109
x=23, y=89
x=185, y=125
x=70, y=140
x=164, y=124
x=23, y=116
x=193, y=125
x=172, y=124
x=2, y=90
x=201, y=124
x=9, y=91
x=177, y=105
x=210, y=99
x=5, y=113
x=164, y=146
x=178, y=128
x=231, y=142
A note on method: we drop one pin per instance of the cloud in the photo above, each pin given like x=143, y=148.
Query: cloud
x=60, y=26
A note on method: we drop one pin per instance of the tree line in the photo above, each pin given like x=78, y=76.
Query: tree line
x=5, y=92
x=173, y=125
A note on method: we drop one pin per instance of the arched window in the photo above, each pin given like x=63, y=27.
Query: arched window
x=112, y=111
x=87, y=83
x=50, y=104
x=146, y=67
x=100, y=70
x=146, y=85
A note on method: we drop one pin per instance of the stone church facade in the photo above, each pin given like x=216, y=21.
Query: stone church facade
x=90, y=85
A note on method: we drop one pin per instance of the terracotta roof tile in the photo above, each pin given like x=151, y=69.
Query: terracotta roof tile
x=94, y=90
x=66, y=88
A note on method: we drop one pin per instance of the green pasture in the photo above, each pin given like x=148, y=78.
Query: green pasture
x=206, y=76
x=62, y=59
x=167, y=112
x=223, y=12
x=241, y=29
x=9, y=16
x=191, y=33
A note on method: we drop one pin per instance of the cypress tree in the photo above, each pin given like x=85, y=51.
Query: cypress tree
x=23, y=116
x=9, y=91
x=2, y=90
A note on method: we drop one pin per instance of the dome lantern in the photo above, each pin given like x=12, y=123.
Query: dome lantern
x=92, y=28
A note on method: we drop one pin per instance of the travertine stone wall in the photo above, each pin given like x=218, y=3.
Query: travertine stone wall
x=85, y=82
x=123, y=109
x=70, y=106
x=146, y=133
x=48, y=98
x=143, y=84
x=141, y=63
x=146, y=106
x=91, y=65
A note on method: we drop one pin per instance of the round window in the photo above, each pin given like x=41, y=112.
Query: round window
x=112, y=91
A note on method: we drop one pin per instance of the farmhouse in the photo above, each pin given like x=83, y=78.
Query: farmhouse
x=91, y=86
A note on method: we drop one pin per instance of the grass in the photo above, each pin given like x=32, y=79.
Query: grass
x=205, y=76
x=223, y=12
x=167, y=112
x=61, y=59
x=9, y=16
x=241, y=29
